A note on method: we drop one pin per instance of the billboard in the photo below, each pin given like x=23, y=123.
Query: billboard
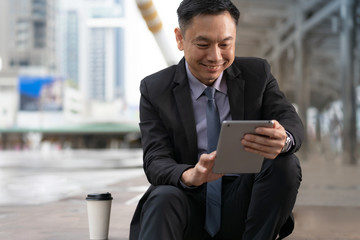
x=39, y=93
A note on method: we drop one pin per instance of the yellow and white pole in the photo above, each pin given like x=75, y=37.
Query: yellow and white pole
x=154, y=23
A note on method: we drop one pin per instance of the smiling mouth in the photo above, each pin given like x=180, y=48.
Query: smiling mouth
x=212, y=67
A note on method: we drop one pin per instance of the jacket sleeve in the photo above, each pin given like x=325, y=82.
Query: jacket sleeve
x=276, y=106
x=161, y=163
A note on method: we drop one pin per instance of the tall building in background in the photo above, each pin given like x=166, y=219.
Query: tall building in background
x=31, y=34
x=94, y=47
x=3, y=36
x=27, y=47
x=71, y=63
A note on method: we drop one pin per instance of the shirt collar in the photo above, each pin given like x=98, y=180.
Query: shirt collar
x=197, y=87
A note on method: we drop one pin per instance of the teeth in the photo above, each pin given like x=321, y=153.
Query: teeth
x=211, y=67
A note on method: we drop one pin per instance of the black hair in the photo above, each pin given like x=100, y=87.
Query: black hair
x=191, y=8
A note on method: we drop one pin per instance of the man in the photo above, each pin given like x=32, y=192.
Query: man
x=173, y=124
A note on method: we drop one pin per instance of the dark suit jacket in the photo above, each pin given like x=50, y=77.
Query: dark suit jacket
x=167, y=121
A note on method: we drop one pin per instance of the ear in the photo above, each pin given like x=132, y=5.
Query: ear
x=179, y=39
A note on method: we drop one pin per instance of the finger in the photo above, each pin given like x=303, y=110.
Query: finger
x=270, y=132
x=250, y=139
x=214, y=176
x=200, y=168
x=269, y=155
x=270, y=145
x=266, y=150
x=213, y=154
x=259, y=146
x=207, y=160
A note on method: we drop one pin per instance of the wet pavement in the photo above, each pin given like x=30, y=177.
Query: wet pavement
x=42, y=195
x=41, y=177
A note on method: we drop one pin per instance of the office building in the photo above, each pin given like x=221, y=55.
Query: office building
x=93, y=31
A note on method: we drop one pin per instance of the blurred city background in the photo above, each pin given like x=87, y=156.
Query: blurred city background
x=69, y=78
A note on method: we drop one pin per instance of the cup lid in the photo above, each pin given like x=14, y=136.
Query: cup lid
x=99, y=196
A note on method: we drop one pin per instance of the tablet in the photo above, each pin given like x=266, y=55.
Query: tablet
x=231, y=156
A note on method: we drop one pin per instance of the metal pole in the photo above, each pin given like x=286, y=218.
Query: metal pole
x=154, y=23
x=347, y=46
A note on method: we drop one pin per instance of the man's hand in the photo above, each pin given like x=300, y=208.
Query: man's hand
x=202, y=172
x=268, y=143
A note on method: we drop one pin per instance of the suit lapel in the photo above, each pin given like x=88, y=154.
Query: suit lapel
x=236, y=91
x=184, y=105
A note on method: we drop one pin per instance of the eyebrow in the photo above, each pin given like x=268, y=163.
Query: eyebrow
x=202, y=38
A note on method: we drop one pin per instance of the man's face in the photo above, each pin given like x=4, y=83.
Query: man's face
x=209, y=45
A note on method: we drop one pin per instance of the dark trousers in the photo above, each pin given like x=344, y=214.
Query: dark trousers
x=254, y=206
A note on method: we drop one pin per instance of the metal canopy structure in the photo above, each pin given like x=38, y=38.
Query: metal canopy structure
x=313, y=47
x=272, y=28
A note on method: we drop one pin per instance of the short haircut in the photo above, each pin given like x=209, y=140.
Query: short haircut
x=188, y=9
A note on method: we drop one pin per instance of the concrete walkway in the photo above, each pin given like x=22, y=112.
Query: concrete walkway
x=328, y=205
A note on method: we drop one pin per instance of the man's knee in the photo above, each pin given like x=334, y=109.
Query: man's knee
x=166, y=197
x=164, y=214
x=289, y=170
x=284, y=171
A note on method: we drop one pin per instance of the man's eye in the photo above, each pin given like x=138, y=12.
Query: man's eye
x=202, y=45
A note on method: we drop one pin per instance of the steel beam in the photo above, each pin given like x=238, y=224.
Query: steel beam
x=309, y=4
x=284, y=28
x=308, y=24
x=257, y=12
x=274, y=37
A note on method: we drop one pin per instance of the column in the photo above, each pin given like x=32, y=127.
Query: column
x=302, y=95
x=347, y=59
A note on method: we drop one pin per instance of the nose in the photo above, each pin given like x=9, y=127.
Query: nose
x=214, y=54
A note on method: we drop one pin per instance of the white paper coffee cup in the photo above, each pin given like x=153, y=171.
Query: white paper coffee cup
x=99, y=208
